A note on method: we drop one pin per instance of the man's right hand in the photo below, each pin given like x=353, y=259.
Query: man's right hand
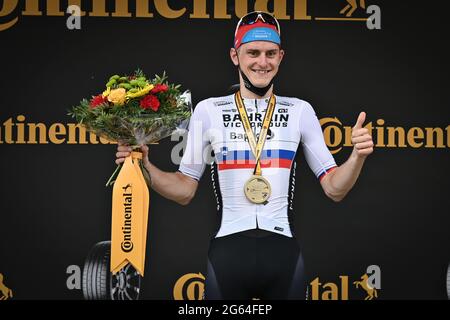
x=124, y=150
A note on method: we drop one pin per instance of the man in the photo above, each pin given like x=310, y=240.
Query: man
x=254, y=135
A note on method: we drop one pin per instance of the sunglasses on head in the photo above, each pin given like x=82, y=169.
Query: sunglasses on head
x=256, y=16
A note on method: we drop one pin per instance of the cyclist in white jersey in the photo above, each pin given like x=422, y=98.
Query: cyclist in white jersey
x=254, y=253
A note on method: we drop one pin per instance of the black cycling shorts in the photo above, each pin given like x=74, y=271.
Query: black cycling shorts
x=255, y=264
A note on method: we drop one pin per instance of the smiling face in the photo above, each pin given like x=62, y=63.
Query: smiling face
x=259, y=60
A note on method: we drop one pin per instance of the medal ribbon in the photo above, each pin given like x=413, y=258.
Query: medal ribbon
x=256, y=147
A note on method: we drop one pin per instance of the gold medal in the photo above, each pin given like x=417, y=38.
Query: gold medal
x=257, y=189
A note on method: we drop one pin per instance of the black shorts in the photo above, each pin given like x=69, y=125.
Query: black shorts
x=255, y=264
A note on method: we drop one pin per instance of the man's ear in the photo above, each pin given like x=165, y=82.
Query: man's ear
x=234, y=56
x=281, y=55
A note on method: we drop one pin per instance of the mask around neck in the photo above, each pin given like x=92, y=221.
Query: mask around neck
x=256, y=90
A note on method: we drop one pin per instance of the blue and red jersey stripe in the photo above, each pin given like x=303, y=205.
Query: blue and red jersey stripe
x=244, y=159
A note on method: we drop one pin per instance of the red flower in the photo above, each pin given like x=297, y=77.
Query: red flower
x=159, y=88
x=97, y=100
x=150, y=101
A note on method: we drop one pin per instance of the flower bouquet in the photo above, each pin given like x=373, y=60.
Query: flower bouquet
x=133, y=110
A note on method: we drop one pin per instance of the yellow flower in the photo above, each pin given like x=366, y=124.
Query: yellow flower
x=106, y=92
x=117, y=96
x=141, y=92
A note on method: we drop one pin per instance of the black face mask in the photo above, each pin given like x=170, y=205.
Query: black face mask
x=256, y=90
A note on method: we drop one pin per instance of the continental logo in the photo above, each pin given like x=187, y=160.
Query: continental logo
x=351, y=7
x=127, y=243
x=6, y=292
x=337, y=135
x=364, y=284
x=18, y=131
x=11, y=11
x=369, y=285
x=190, y=286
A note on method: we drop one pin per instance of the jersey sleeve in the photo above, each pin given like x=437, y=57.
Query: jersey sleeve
x=193, y=162
x=319, y=158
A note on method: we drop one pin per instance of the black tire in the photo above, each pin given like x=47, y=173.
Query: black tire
x=99, y=284
x=448, y=281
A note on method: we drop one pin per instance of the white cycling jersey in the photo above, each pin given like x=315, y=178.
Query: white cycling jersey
x=216, y=123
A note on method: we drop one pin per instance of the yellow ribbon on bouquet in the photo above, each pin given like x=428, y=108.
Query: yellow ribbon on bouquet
x=130, y=204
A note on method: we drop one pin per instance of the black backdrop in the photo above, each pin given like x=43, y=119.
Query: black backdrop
x=54, y=205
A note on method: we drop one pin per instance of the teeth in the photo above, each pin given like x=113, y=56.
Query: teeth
x=261, y=71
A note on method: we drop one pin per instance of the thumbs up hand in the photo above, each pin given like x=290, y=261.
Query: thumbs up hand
x=361, y=139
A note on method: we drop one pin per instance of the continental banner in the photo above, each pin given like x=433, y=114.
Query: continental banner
x=337, y=135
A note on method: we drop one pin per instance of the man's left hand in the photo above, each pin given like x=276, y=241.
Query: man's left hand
x=361, y=139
